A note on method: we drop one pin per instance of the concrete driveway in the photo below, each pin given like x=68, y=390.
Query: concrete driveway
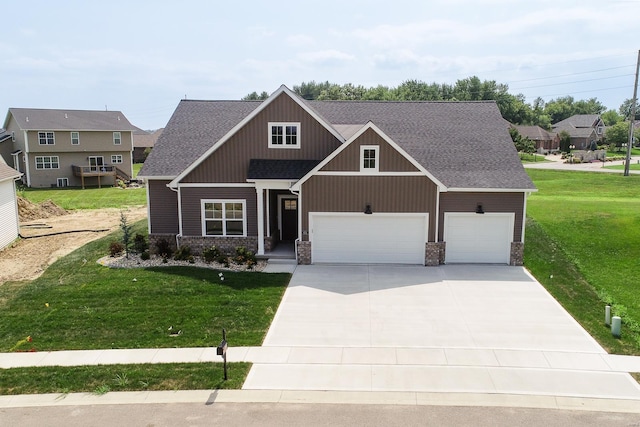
x=455, y=328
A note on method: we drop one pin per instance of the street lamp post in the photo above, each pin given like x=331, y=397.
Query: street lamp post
x=571, y=147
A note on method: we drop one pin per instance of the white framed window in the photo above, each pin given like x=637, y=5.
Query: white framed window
x=47, y=162
x=224, y=218
x=63, y=182
x=284, y=135
x=75, y=138
x=369, y=158
x=116, y=158
x=600, y=129
x=46, y=138
x=117, y=138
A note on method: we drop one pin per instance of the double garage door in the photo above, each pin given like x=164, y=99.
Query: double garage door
x=368, y=239
x=474, y=238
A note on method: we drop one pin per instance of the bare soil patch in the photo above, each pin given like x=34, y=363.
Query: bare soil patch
x=28, y=258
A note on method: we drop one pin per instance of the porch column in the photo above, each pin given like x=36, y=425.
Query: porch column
x=260, y=194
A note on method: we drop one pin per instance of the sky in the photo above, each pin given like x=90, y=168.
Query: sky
x=142, y=57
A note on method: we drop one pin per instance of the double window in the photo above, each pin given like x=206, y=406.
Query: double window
x=284, y=135
x=369, y=158
x=47, y=162
x=46, y=138
x=75, y=138
x=224, y=218
x=117, y=138
x=116, y=158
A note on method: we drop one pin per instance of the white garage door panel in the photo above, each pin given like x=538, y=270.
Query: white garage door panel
x=478, y=238
x=9, y=222
x=371, y=239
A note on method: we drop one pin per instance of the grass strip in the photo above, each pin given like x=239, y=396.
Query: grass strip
x=90, y=198
x=547, y=261
x=101, y=379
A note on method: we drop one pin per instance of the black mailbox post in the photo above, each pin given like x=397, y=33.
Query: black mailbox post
x=222, y=351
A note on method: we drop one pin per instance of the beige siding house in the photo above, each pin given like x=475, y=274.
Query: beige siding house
x=421, y=183
x=59, y=148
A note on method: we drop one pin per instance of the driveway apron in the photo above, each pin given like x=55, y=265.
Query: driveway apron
x=454, y=328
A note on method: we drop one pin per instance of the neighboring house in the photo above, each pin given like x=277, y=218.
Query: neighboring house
x=143, y=142
x=59, y=148
x=584, y=129
x=9, y=225
x=546, y=142
x=347, y=181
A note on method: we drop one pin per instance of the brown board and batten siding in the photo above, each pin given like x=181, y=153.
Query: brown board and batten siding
x=163, y=203
x=392, y=194
x=390, y=159
x=231, y=161
x=192, y=212
x=491, y=202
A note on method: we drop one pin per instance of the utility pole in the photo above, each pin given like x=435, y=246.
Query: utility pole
x=633, y=118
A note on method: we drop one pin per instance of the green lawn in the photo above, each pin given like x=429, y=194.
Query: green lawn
x=586, y=236
x=136, y=169
x=532, y=158
x=632, y=166
x=104, y=378
x=78, y=304
x=89, y=198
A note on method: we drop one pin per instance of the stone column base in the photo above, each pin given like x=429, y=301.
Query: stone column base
x=434, y=254
x=304, y=253
x=517, y=254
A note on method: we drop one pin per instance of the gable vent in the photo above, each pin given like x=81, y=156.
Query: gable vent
x=66, y=116
x=27, y=119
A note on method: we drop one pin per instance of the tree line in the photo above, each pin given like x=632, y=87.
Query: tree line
x=514, y=108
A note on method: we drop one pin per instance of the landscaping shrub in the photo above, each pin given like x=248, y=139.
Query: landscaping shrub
x=163, y=248
x=145, y=255
x=140, y=244
x=211, y=254
x=184, y=254
x=116, y=249
x=244, y=256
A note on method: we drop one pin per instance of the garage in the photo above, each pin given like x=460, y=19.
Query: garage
x=368, y=239
x=478, y=238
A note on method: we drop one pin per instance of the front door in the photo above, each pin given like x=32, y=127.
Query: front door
x=289, y=212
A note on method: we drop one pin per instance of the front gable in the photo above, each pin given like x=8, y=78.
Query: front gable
x=351, y=158
x=227, y=161
x=348, y=158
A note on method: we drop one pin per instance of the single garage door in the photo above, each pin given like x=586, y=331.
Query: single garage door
x=476, y=238
x=369, y=239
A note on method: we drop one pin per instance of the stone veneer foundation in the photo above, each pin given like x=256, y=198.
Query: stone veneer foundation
x=304, y=253
x=517, y=254
x=434, y=254
x=227, y=245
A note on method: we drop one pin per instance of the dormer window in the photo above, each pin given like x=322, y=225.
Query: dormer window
x=369, y=158
x=284, y=135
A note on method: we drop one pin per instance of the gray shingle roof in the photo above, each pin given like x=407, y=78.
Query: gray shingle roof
x=144, y=139
x=463, y=144
x=41, y=119
x=578, y=121
x=534, y=133
x=7, y=172
x=192, y=129
x=279, y=169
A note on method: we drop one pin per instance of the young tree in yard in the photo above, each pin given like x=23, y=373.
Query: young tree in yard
x=126, y=233
x=523, y=144
x=565, y=141
x=617, y=134
x=611, y=117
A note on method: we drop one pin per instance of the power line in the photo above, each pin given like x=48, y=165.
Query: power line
x=574, y=82
x=572, y=74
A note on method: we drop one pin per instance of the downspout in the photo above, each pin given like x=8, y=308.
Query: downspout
x=299, y=239
x=177, y=190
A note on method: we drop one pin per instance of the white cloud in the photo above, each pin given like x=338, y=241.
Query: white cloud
x=299, y=40
x=326, y=57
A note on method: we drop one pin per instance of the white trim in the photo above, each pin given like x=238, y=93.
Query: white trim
x=260, y=209
x=524, y=216
x=26, y=160
x=284, y=125
x=376, y=159
x=46, y=137
x=272, y=184
x=71, y=135
x=243, y=122
x=493, y=190
x=282, y=197
x=156, y=178
x=118, y=139
x=268, y=209
x=224, y=202
x=437, y=234
x=367, y=173
x=115, y=162
x=179, y=191
x=63, y=179
x=369, y=125
x=214, y=185
x=35, y=161
x=96, y=157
